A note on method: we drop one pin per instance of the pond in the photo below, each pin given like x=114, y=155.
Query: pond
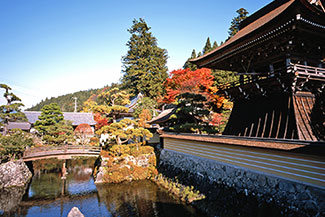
x=50, y=195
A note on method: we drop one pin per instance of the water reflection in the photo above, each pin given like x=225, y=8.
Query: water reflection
x=50, y=195
x=142, y=198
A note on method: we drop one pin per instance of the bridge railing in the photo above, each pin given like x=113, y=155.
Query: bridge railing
x=61, y=149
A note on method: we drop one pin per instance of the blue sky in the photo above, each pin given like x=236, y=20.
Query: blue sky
x=54, y=47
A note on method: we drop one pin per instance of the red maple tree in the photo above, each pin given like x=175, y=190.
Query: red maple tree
x=100, y=121
x=198, y=81
x=84, y=129
x=185, y=80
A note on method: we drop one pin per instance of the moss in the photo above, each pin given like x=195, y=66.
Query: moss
x=185, y=193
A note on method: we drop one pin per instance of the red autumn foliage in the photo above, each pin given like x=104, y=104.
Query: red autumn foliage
x=198, y=81
x=100, y=120
x=84, y=129
x=185, y=80
x=217, y=119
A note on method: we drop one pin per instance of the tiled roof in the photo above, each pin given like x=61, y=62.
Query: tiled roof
x=163, y=116
x=79, y=118
x=76, y=117
x=249, y=28
x=134, y=102
x=19, y=125
x=32, y=117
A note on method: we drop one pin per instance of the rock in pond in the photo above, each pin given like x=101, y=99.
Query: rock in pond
x=14, y=174
x=75, y=212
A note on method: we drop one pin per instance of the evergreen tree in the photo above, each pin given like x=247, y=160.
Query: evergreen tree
x=13, y=144
x=52, y=126
x=234, y=27
x=190, y=115
x=215, y=45
x=144, y=65
x=222, y=77
x=145, y=103
x=190, y=65
x=207, y=48
x=10, y=112
x=66, y=101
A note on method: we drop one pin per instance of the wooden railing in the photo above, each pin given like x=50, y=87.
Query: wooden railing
x=297, y=69
x=307, y=70
x=251, y=78
x=54, y=151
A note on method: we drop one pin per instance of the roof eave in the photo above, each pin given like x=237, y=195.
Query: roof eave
x=237, y=39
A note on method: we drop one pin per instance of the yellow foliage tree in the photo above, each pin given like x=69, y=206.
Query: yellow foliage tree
x=145, y=116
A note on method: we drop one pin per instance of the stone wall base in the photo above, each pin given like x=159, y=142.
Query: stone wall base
x=237, y=191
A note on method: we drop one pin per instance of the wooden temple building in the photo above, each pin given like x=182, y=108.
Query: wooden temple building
x=279, y=53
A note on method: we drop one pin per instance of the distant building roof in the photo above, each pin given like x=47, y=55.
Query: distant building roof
x=76, y=117
x=19, y=125
x=134, y=102
x=163, y=116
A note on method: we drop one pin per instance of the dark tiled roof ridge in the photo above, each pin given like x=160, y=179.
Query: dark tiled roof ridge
x=261, y=12
x=249, y=29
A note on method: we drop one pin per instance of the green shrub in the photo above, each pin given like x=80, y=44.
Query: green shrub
x=12, y=145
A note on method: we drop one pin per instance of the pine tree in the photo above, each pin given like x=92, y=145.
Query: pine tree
x=190, y=115
x=112, y=104
x=10, y=112
x=207, y=48
x=234, y=27
x=190, y=65
x=52, y=126
x=144, y=65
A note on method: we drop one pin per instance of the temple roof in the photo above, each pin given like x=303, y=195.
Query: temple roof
x=163, y=116
x=19, y=125
x=252, y=30
x=76, y=117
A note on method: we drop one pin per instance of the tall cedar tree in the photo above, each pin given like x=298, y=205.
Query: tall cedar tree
x=188, y=64
x=207, y=47
x=10, y=112
x=144, y=65
x=234, y=27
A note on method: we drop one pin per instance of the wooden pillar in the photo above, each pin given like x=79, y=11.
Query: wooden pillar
x=64, y=170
